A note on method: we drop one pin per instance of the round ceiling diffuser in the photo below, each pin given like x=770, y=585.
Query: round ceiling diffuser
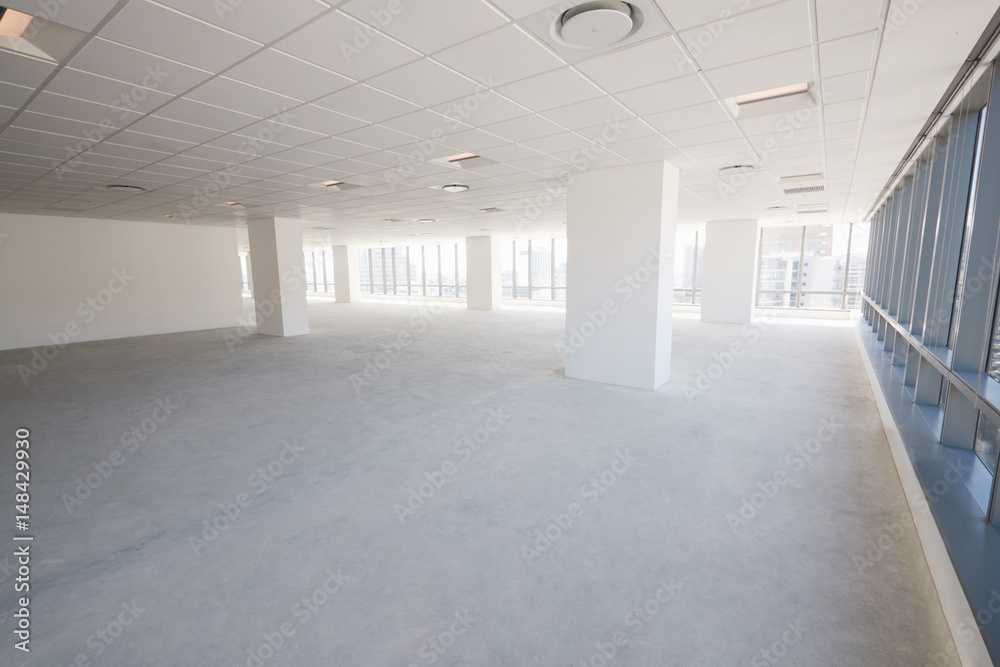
x=120, y=187
x=599, y=23
x=455, y=187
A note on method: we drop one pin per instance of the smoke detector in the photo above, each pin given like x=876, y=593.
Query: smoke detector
x=598, y=23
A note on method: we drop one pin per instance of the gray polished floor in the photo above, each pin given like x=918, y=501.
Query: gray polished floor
x=219, y=499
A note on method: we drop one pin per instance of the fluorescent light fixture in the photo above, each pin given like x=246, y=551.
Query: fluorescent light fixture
x=773, y=101
x=460, y=157
x=330, y=183
x=43, y=38
x=774, y=93
x=12, y=23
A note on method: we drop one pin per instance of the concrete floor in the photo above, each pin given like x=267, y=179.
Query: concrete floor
x=651, y=564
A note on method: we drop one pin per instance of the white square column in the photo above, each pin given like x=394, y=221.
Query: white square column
x=346, y=274
x=621, y=223
x=482, y=271
x=729, y=271
x=279, y=277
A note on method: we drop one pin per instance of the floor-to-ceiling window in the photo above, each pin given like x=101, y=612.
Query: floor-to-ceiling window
x=812, y=266
x=533, y=269
x=423, y=270
x=688, y=266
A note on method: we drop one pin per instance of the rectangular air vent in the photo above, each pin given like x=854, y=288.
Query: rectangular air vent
x=806, y=189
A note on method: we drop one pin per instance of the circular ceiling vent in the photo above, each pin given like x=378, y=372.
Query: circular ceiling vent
x=455, y=187
x=591, y=25
x=121, y=187
x=738, y=169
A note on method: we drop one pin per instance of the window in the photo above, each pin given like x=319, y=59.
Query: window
x=832, y=257
x=422, y=270
x=319, y=271
x=987, y=443
x=533, y=269
x=689, y=251
x=245, y=270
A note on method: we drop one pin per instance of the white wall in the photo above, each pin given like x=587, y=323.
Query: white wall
x=58, y=279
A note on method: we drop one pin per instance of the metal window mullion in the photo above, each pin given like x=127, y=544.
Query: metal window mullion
x=760, y=264
x=847, y=267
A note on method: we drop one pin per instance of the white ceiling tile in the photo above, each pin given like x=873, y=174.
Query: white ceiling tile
x=471, y=141
x=524, y=128
x=842, y=130
x=426, y=124
x=783, y=69
x=144, y=25
x=502, y=56
x=482, y=110
x=850, y=54
x=259, y=21
x=430, y=25
x=138, y=68
x=642, y=146
x=785, y=23
x=509, y=152
x=518, y=9
x=688, y=117
x=267, y=131
x=705, y=134
x=842, y=112
x=551, y=89
x=632, y=128
x=377, y=136
x=205, y=115
x=603, y=110
x=342, y=44
x=366, y=103
x=81, y=110
x=631, y=67
x=230, y=94
x=165, y=127
x=845, y=87
x=684, y=14
x=841, y=18
x=80, y=15
x=721, y=148
x=684, y=91
x=324, y=121
x=559, y=143
x=87, y=86
x=6, y=113
x=149, y=142
x=71, y=131
x=23, y=70
x=426, y=83
x=337, y=147
x=13, y=95
x=287, y=75
x=789, y=124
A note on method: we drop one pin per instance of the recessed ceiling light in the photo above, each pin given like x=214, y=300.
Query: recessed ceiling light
x=599, y=23
x=13, y=23
x=491, y=209
x=454, y=187
x=460, y=157
x=233, y=203
x=329, y=183
x=121, y=187
x=738, y=169
x=167, y=216
x=426, y=220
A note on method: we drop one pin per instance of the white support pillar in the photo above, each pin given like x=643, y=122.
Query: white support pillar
x=346, y=274
x=279, y=276
x=621, y=223
x=730, y=261
x=482, y=271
